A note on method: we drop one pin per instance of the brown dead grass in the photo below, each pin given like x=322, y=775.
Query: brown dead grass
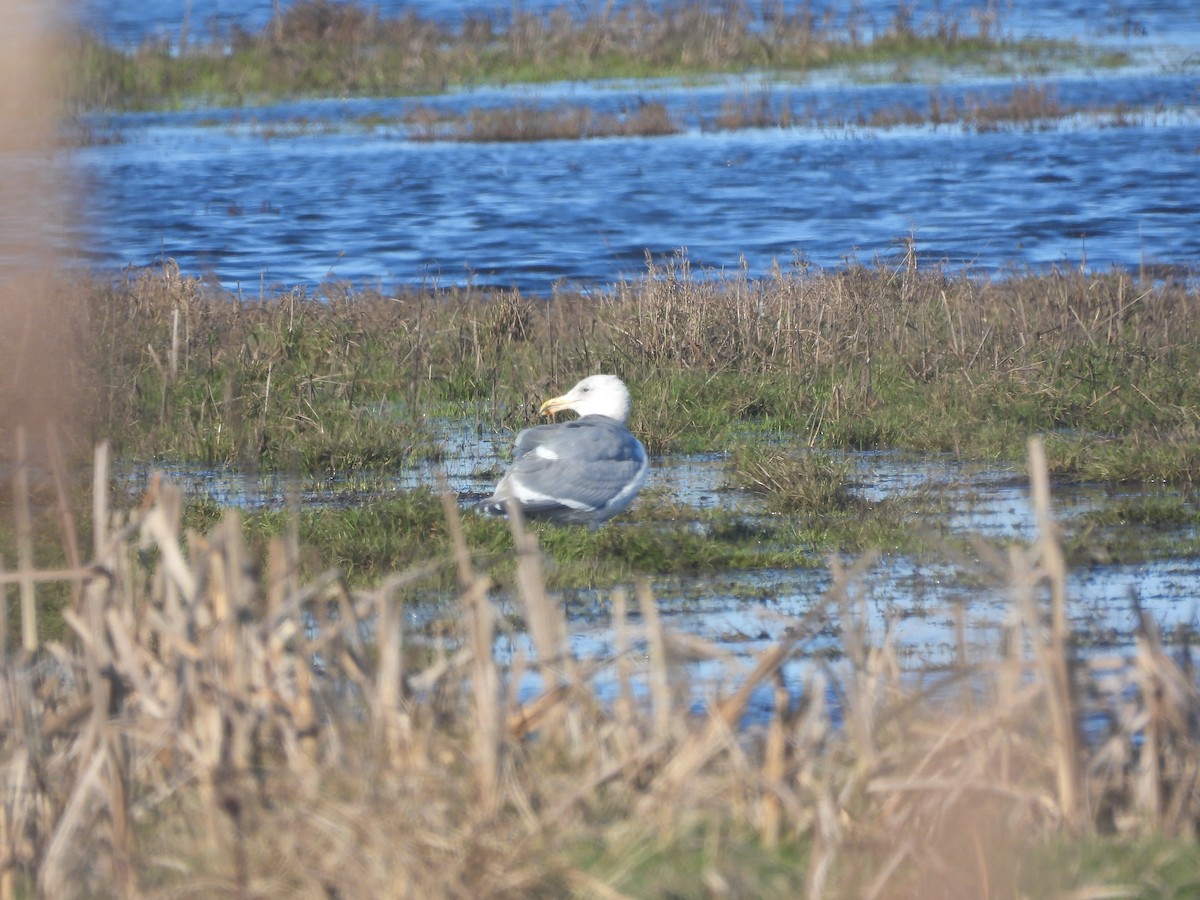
x=1027, y=106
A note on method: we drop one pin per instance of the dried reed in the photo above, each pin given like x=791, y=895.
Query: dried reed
x=211, y=723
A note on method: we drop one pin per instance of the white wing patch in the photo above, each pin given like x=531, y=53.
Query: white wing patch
x=525, y=495
x=544, y=452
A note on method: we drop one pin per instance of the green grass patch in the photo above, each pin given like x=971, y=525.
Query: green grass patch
x=712, y=852
x=711, y=857
x=369, y=538
x=409, y=529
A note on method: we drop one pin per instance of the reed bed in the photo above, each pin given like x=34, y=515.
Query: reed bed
x=1027, y=106
x=214, y=724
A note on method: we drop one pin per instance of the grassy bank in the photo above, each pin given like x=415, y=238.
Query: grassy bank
x=866, y=357
x=216, y=723
x=325, y=49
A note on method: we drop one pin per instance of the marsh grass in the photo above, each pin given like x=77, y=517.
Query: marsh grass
x=1030, y=105
x=791, y=482
x=327, y=49
x=905, y=356
x=398, y=530
x=214, y=720
x=1133, y=531
x=1026, y=107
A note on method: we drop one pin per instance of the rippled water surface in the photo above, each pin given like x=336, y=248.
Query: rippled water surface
x=269, y=197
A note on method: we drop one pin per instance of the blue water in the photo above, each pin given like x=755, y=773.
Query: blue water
x=267, y=198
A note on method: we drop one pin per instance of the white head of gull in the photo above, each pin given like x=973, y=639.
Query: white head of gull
x=583, y=471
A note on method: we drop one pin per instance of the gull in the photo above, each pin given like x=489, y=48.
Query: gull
x=583, y=471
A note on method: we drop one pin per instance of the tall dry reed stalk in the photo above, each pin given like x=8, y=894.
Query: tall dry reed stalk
x=212, y=720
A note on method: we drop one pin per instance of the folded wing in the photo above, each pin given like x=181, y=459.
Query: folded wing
x=585, y=471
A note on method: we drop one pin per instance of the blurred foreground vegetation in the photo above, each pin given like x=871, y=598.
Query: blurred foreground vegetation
x=215, y=722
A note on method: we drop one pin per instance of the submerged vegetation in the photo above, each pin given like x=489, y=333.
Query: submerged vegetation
x=1025, y=107
x=316, y=48
x=537, y=123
